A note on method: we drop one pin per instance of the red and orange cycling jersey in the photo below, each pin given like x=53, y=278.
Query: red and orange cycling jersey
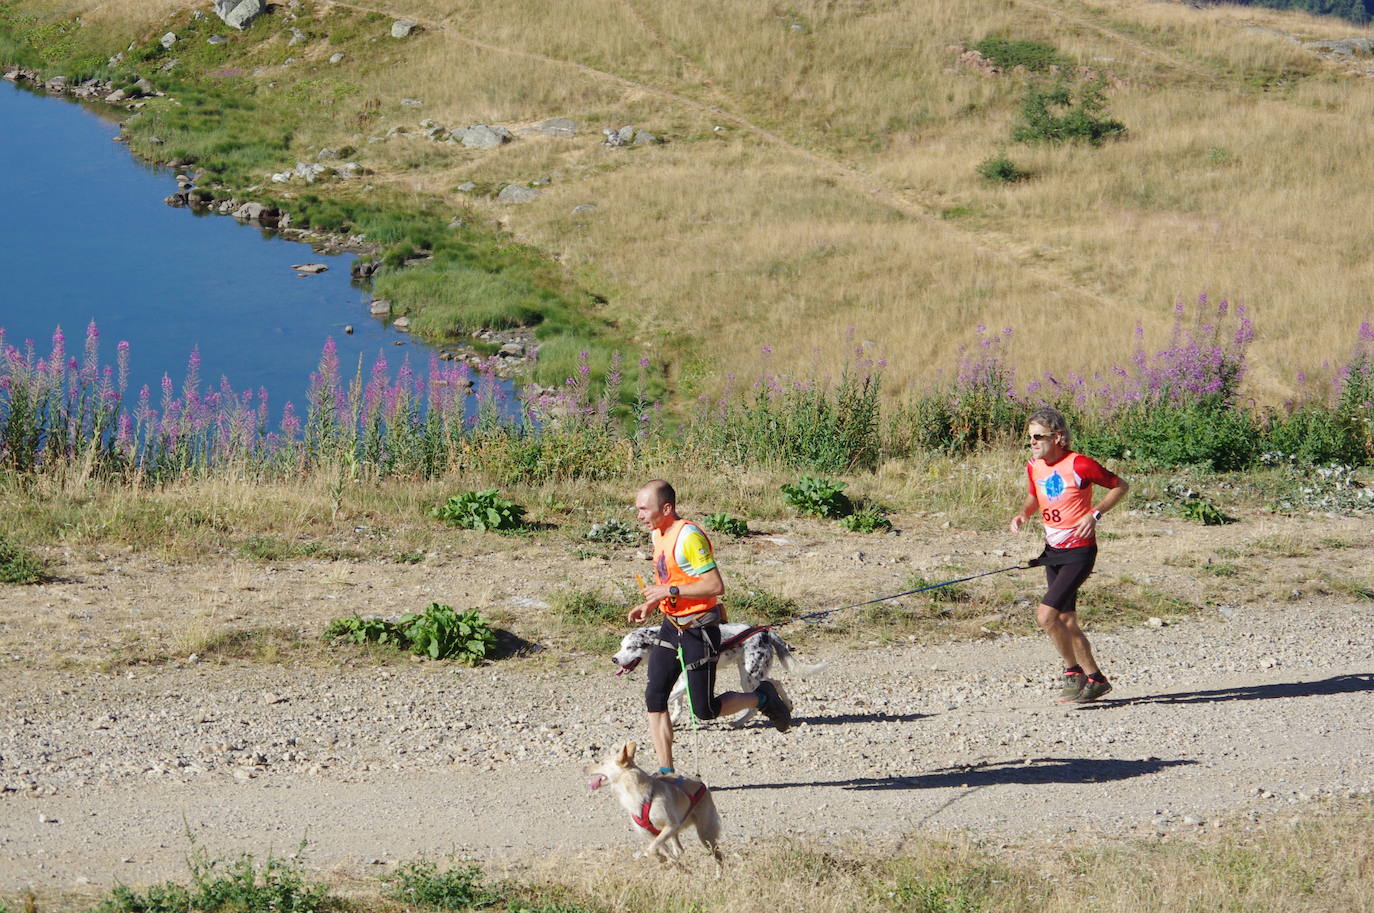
x=1063, y=490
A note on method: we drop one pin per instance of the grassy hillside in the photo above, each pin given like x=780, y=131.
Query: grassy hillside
x=819, y=187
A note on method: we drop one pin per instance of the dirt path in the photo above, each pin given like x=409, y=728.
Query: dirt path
x=1244, y=710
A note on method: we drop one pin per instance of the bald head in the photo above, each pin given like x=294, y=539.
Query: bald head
x=656, y=504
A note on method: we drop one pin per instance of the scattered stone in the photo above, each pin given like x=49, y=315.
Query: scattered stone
x=402, y=323
x=467, y=187
x=1155, y=622
x=218, y=39
x=411, y=102
x=515, y=193
x=168, y=40
x=297, y=37
x=645, y=138
x=348, y=329
x=336, y=57
x=403, y=28
x=116, y=97
x=558, y=126
x=481, y=136
x=310, y=269
x=310, y=170
x=238, y=13
x=584, y=208
x=380, y=307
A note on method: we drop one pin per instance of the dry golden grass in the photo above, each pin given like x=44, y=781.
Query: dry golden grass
x=839, y=204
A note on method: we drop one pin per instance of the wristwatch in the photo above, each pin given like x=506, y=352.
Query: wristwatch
x=1097, y=515
x=673, y=591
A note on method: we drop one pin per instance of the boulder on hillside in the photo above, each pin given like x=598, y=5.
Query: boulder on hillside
x=514, y=193
x=238, y=13
x=403, y=28
x=558, y=126
x=480, y=136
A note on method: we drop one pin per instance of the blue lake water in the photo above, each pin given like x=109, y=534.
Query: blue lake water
x=85, y=235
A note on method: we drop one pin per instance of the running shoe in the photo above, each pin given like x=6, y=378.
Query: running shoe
x=1073, y=685
x=1092, y=691
x=775, y=708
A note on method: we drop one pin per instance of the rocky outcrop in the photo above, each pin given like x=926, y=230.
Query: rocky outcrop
x=238, y=13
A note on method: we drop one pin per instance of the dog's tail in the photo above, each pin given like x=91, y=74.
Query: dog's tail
x=784, y=655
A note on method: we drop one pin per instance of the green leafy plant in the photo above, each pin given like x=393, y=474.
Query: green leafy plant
x=481, y=510
x=1052, y=114
x=421, y=883
x=818, y=497
x=999, y=169
x=1193, y=505
x=724, y=523
x=614, y=532
x=441, y=633
x=870, y=519
x=18, y=566
x=438, y=632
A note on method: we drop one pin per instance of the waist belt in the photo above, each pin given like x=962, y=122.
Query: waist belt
x=700, y=620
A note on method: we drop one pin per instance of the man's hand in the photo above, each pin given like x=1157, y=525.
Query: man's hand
x=642, y=611
x=1017, y=522
x=1086, y=527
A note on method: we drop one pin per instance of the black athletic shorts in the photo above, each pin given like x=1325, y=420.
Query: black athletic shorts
x=1065, y=571
x=698, y=644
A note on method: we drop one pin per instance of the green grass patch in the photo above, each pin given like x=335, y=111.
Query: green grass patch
x=1009, y=53
x=19, y=566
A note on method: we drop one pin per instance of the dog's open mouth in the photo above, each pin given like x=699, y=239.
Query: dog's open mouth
x=598, y=781
x=628, y=667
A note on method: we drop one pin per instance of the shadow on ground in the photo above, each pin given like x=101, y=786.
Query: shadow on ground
x=1326, y=687
x=1038, y=770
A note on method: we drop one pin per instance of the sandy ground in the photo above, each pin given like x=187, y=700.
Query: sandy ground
x=1254, y=704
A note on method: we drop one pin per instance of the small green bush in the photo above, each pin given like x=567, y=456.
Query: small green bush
x=757, y=603
x=999, y=169
x=1008, y=54
x=422, y=884
x=18, y=566
x=724, y=523
x=1051, y=114
x=818, y=497
x=438, y=632
x=584, y=607
x=871, y=519
x=228, y=886
x=481, y=510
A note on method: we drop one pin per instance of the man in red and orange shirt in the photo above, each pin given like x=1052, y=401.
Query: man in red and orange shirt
x=687, y=586
x=1060, y=485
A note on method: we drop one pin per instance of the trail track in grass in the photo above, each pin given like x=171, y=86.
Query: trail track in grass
x=1253, y=708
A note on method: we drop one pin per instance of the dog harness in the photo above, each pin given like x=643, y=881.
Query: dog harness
x=730, y=644
x=642, y=819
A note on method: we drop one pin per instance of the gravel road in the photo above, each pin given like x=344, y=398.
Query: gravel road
x=1237, y=713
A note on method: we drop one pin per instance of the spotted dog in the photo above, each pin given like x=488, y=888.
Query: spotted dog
x=753, y=656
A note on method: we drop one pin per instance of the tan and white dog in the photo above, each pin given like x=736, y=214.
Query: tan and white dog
x=660, y=805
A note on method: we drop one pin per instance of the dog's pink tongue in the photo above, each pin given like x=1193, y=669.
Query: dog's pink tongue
x=597, y=782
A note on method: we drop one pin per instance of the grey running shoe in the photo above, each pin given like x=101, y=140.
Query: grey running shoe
x=1092, y=691
x=1073, y=685
x=775, y=708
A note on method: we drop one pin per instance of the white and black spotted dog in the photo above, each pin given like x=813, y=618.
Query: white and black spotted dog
x=753, y=656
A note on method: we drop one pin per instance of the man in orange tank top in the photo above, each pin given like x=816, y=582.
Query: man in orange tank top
x=1059, y=488
x=686, y=588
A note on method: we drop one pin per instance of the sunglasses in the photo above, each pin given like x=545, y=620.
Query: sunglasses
x=1041, y=437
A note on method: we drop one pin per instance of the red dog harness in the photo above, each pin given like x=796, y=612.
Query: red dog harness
x=642, y=819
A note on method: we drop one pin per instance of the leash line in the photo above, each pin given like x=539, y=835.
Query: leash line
x=934, y=586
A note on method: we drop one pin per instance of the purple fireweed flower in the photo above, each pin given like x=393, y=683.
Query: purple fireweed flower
x=192, y=382
x=644, y=362
x=766, y=350
x=290, y=422
x=1366, y=332
x=122, y=359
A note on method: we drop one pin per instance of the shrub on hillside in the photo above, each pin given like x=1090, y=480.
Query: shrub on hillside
x=1008, y=53
x=999, y=169
x=1056, y=114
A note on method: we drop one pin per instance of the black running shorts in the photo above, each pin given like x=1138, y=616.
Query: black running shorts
x=1065, y=571
x=698, y=644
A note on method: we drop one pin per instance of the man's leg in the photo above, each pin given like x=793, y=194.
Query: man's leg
x=663, y=673
x=1068, y=638
x=661, y=732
